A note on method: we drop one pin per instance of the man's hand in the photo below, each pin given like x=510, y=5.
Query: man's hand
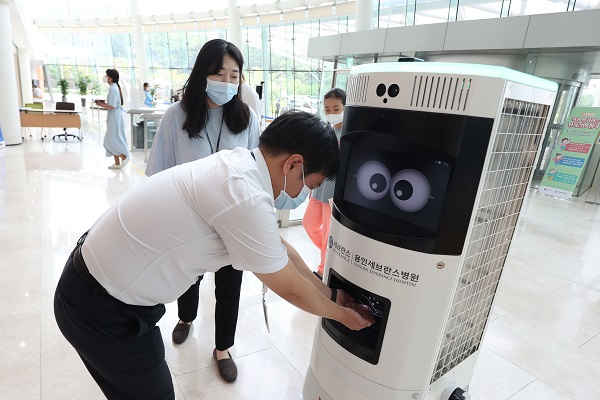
x=358, y=316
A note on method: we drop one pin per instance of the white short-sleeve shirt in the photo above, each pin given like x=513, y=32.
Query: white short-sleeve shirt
x=151, y=246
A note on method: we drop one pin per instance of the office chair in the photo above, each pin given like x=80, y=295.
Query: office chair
x=66, y=106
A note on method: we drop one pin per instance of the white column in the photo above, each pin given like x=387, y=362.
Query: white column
x=235, y=23
x=9, y=103
x=139, y=47
x=364, y=15
x=25, y=72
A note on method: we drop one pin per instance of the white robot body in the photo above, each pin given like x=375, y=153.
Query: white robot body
x=435, y=162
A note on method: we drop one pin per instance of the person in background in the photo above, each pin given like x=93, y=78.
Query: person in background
x=317, y=216
x=150, y=246
x=148, y=100
x=210, y=117
x=277, y=106
x=37, y=92
x=259, y=89
x=250, y=97
x=115, y=141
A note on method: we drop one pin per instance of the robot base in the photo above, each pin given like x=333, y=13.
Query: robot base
x=336, y=382
x=312, y=389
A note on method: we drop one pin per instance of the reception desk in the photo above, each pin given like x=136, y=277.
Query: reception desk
x=50, y=119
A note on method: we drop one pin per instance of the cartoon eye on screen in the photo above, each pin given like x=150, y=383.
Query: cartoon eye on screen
x=373, y=180
x=404, y=186
x=410, y=190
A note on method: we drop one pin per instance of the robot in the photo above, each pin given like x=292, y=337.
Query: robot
x=435, y=161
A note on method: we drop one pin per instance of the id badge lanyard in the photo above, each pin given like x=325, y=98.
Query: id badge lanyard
x=212, y=150
x=265, y=289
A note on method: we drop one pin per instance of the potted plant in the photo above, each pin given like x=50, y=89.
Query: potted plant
x=63, y=84
x=95, y=88
x=95, y=91
x=83, y=84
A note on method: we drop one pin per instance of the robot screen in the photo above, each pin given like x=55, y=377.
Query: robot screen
x=406, y=186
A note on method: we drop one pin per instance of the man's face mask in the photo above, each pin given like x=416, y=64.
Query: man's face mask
x=286, y=202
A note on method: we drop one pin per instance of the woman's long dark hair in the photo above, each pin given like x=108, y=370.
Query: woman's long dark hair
x=236, y=114
x=114, y=75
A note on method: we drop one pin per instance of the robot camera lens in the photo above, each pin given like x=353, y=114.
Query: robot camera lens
x=380, y=89
x=393, y=90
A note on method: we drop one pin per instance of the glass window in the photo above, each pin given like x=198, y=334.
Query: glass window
x=474, y=9
x=392, y=13
x=531, y=7
x=427, y=13
x=275, y=54
x=590, y=94
x=194, y=44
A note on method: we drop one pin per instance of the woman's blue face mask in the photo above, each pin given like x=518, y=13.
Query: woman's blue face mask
x=221, y=92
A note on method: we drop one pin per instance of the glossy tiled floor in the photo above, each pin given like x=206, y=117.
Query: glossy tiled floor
x=543, y=342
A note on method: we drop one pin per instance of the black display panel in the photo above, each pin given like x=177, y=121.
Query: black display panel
x=366, y=343
x=419, y=141
x=408, y=187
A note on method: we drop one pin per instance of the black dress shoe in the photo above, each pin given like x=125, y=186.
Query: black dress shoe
x=227, y=367
x=181, y=332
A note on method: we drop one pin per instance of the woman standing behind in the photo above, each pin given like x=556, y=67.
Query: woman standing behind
x=115, y=142
x=148, y=100
x=318, y=212
x=210, y=117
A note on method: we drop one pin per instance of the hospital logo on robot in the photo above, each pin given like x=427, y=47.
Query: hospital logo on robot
x=340, y=250
x=374, y=267
x=383, y=271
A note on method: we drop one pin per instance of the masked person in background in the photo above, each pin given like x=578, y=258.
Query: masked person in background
x=148, y=100
x=317, y=216
x=115, y=141
x=210, y=117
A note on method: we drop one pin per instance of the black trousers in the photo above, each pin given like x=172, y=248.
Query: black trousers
x=228, y=283
x=120, y=344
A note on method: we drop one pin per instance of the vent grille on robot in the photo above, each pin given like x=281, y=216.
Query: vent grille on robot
x=440, y=93
x=357, y=88
x=505, y=182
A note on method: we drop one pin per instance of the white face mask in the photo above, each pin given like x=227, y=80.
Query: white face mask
x=335, y=119
x=221, y=92
x=105, y=79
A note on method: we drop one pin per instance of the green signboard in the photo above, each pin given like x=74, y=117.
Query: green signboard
x=571, y=152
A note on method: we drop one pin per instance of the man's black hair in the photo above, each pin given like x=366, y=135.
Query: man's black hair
x=298, y=132
x=236, y=114
x=336, y=93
